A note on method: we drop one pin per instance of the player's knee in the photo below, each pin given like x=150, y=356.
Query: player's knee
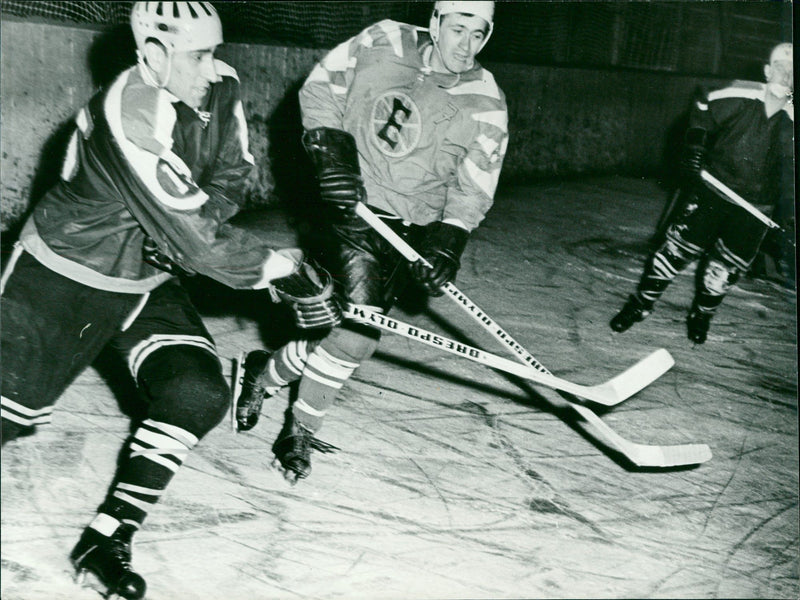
x=673, y=256
x=186, y=388
x=718, y=277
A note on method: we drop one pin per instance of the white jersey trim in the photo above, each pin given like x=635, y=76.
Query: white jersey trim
x=36, y=247
x=145, y=163
x=480, y=87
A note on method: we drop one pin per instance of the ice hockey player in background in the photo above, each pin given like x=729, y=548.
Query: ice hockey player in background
x=406, y=121
x=156, y=165
x=743, y=136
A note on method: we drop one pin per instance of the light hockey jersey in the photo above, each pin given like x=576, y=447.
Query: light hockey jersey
x=431, y=145
x=746, y=150
x=142, y=163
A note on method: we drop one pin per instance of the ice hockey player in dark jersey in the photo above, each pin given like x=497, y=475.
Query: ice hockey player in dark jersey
x=155, y=167
x=743, y=136
x=405, y=120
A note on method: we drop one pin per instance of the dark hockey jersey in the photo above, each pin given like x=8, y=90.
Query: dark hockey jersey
x=142, y=163
x=746, y=150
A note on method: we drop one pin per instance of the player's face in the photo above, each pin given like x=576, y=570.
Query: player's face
x=191, y=75
x=780, y=72
x=460, y=38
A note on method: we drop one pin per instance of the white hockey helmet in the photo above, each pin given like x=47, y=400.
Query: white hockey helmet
x=180, y=26
x=479, y=8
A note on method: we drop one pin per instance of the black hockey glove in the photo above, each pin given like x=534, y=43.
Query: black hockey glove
x=153, y=256
x=309, y=293
x=335, y=157
x=442, y=247
x=694, y=154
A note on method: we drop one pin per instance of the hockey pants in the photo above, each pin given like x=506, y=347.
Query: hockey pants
x=50, y=338
x=722, y=236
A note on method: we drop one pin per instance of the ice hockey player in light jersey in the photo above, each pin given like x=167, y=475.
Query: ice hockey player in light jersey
x=406, y=121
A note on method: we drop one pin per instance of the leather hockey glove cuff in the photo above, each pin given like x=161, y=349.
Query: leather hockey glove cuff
x=334, y=155
x=309, y=293
x=442, y=247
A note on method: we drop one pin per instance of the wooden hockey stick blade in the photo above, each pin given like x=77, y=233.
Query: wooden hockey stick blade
x=637, y=377
x=643, y=455
x=609, y=393
x=639, y=454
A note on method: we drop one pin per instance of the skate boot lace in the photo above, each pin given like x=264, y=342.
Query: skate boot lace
x=294, y=450
x=303, y=442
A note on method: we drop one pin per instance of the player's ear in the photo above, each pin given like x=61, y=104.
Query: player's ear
x=155, y=55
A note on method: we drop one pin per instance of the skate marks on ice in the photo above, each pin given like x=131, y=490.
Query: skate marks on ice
x=452, y=481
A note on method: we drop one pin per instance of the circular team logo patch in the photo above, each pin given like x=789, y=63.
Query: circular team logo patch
x=396, y=125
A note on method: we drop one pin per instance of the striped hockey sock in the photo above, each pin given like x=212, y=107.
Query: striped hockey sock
x=284, y=366
x=323, y=377
x=157, y=451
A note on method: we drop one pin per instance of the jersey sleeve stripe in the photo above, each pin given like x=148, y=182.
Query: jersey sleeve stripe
x=485, y=180
x=394, y=35
x=498, y=118
x=487, y=144
x=339, y=59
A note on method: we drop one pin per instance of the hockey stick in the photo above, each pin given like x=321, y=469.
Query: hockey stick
x=737, y=199
x=639, y=454
x=609, y=393
x=646, y=371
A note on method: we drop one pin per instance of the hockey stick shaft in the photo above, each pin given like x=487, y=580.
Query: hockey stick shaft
x=607, y=393
x=474, y=311
x=488, y=323
x=737, y=199
x=639, y=454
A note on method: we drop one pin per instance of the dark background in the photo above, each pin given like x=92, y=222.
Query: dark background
x=722, y=39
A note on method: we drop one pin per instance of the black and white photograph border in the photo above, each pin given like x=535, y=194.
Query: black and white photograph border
x=454, y=477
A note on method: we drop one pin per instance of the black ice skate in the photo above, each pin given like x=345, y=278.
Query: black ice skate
x=633, y=312
x=293, y=449
x=697, y=325
x=109, y=560
x=251, y=394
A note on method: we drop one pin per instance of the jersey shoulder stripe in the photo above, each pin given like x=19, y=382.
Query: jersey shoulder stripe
x=483, y=86
x=739, y=90
x=400, y=38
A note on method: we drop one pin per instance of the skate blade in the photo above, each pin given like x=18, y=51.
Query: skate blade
x=238, y=382
x=87, y=579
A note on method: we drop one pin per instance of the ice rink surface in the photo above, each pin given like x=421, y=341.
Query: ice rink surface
x=453, y=480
